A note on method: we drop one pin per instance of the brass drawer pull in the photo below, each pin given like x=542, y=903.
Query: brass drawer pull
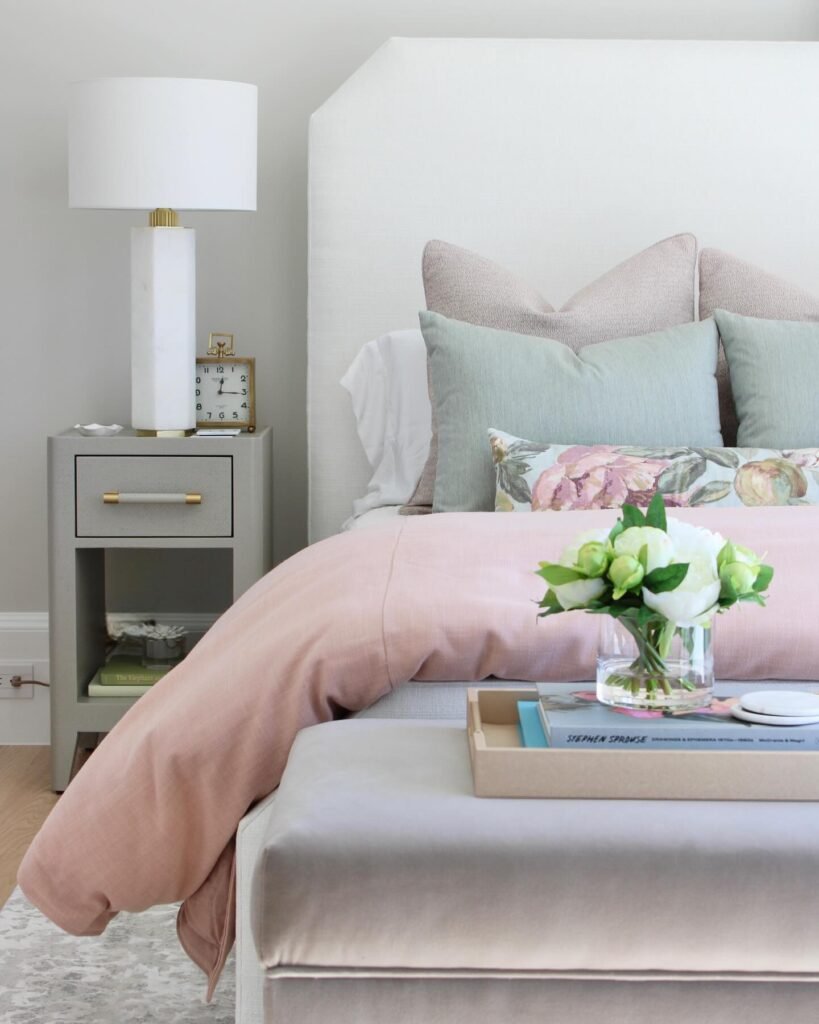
x=147, y=498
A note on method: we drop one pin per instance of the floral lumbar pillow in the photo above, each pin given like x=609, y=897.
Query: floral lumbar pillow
x=534, y=477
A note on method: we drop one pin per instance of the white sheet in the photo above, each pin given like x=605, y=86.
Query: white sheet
x=373, y=517
x=387, y=383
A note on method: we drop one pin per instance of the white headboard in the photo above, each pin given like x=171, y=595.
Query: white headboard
x=558, y=158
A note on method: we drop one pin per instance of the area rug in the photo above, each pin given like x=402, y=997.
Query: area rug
x=136, y=973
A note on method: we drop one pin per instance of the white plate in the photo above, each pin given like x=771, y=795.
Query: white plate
x=98, y=429
x=775, y=720
x=784, y=703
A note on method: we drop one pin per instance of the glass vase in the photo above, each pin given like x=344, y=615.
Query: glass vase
x=656, y=665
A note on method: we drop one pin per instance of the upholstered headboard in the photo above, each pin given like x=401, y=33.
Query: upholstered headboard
x=558, y=158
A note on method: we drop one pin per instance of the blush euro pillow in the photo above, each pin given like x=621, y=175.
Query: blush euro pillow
x=647, y=292
x=387, y=384
x=533, y=477
x=656, y=389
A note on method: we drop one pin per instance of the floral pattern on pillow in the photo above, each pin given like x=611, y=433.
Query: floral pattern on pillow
x=533, y=477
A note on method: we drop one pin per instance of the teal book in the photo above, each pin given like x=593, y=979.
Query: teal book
x=531, y=731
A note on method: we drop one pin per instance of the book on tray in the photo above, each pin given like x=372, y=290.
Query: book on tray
x=572, y=718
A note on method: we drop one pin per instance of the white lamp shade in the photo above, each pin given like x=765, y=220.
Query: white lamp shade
x=147, y=143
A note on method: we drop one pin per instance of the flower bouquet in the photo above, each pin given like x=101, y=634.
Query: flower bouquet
x=659, y=583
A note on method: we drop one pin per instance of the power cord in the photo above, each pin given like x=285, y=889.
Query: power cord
x=18, y=681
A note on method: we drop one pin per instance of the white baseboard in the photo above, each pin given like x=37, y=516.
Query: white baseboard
x=24, y=637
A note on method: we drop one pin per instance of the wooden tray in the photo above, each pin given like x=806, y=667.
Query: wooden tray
x=501, y=767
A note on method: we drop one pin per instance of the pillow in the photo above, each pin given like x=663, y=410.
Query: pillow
x=656, y=389
x=533, y=477
x=387, y=382
x=739, y=287
x=650, y=291
x=774, y=366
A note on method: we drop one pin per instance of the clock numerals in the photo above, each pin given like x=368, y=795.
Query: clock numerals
x=224, y=391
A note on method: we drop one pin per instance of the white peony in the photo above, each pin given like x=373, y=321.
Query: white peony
x=694, y=601
x=659, y=546
x=579, y=593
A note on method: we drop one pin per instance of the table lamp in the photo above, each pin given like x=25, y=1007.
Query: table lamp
x=162, y=145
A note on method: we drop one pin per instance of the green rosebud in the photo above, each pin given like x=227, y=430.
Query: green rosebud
x=593, y=559
x=736, y=553
x=625, y=572
x=739, y=577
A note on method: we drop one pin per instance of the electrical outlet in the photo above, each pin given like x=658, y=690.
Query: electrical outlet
x=15, y=668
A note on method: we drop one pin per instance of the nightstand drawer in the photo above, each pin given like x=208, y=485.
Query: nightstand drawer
x=154, y=496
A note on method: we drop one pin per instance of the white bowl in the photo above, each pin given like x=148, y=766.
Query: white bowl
x=98, y=429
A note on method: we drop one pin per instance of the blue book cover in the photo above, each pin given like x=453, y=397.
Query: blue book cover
x=572, y=717
x=531, y=731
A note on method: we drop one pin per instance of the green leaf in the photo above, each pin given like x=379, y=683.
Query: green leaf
x=617, y=611
x=681, y=474
x=514, y=485
x=716, y=490
x=763, y=579
x=632, y=516
x=550, y=601
x=652, y=453
x=655, y=516
x=557, y=575
x=525, y=448
x=756, y=598
x=669, y=578
x=726, y=457
x=645, y=615
x=549, y=611
x=616, y=530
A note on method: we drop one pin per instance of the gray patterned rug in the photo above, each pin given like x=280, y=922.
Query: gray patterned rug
x=136, y=973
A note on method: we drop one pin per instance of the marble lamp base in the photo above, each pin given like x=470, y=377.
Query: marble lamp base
x=163, y=329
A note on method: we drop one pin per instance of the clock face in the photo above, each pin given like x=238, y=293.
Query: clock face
x=224, y=393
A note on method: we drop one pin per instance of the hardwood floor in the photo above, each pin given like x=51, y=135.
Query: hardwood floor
x=25, y=800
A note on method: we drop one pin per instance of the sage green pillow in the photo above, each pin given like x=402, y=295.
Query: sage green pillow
x=774, y=368
x=657, y=389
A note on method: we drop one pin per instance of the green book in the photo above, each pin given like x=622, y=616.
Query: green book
x=121, y=690
x=124, y=671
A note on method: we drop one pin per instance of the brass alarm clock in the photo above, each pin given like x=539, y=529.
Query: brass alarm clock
x=225, y=387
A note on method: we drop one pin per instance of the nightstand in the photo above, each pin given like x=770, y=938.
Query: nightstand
x=138, y=493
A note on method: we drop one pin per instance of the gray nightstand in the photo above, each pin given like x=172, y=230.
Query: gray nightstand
x=137, y=492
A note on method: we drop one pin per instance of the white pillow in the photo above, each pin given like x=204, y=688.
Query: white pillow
x=387, y=382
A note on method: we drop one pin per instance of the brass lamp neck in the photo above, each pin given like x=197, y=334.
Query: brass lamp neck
x=163, y=218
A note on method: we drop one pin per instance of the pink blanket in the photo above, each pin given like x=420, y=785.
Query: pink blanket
x=151, y=817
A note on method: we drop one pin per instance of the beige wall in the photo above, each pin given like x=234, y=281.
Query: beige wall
x=64, y=275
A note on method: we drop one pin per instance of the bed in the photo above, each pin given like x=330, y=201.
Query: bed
x=557, y=158
x=609, y=111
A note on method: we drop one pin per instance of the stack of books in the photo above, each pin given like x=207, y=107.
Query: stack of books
x=123, y=676
x=574, y=719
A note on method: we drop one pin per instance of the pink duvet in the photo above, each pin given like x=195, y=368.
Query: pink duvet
x=151, y=817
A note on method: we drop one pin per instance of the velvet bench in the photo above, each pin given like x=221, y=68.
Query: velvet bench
x=382, y=889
